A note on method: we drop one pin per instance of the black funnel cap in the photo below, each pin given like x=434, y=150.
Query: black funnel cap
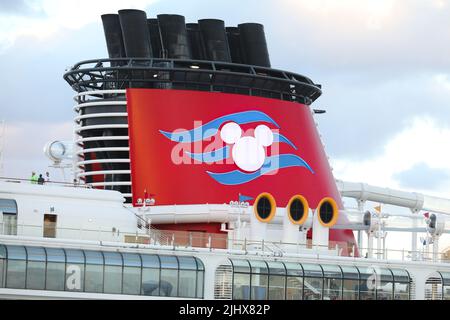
x=234, y=43
x=174, y=36
x=113, y=36
x=155, y=37
x=136, y=37
x=253, y=42
x=196, y=41
x=215, y=39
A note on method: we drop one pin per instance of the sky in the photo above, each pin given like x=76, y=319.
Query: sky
x=384, y=67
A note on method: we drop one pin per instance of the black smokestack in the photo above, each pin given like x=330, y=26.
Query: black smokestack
x=215, y=39
x=174, y=36
x=113, y=35
x=136, y=37
x=234, y=43
x=196, y=41
x=155, y=37
x=253, y=42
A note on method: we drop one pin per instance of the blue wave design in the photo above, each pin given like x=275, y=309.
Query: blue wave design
x=278, y=137
x=210, y=129
x=212, y=156
x=272, y=163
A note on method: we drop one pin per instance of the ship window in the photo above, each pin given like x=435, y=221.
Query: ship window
x=94, y=271
x=367, y=284
x=56, y=269
x=259, y=280
x=200, y=277
x=16, y=269
x=113, y=272
x=313, y=282
x=445, y=285
x=401, y=284
x=169, y=276
x=384, y=284
x=241, y=279
x=50, y=225
x=332, y=282
x=8, y=208
x=294, y=281
x=188, y=277
x=277, y=280
x=131, y=273
x=75, y=270
x=2, y=265
x=350, y=283
x=36, y=268
x=150, y=275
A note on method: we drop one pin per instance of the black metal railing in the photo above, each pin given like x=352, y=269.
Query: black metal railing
x=106, y=74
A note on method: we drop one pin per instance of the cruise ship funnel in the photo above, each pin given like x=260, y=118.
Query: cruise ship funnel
x=253, y=42
x=215, y=38
x=113, y=35
x=174, y=36
x=135, y=33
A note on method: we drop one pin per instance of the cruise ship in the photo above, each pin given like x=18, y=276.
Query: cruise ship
x=200, y=173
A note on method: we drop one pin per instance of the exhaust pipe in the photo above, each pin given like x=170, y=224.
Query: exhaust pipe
x=234, y=43
x=174, y=37
x=196, y=41
x=215, y=39
x=155, y=37
x=253, y=42
x=136, y=37
x=113, y=36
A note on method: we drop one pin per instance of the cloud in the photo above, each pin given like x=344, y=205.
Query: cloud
x=54, y=16
x=421, y=176
x=420, y=146
x=24, y=143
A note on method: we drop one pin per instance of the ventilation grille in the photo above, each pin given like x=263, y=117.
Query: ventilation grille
x=223, y=283
x=433, y=288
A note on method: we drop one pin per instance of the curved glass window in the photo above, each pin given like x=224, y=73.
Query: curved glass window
x=445, y=285
x=168, y=285
x=402, y=283
x=350, y=286
x=259, y=280
x=75, y=260
x=200, y=277
x=188, y=277
x=56, y=269
x=277, y=280
x=2, y=265
x=332, y=289
x=241, y=279
x=113, y=272
x=294, y=281
x=385, y=284
x=36, y=268
x=17, y=264
x=313, y=282
x=94, y=271
x=151, y=267
x=131, y=273
x=367, y=283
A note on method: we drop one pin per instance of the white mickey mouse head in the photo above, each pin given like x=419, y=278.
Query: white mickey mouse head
x=248, y=152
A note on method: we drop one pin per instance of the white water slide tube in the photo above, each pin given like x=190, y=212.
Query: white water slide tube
x=412, y=200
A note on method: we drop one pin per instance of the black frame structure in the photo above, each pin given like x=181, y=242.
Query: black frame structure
x=321, y=273
x=38, y=264
x=213, y=76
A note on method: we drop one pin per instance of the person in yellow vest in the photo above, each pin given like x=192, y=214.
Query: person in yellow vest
x=34, y=178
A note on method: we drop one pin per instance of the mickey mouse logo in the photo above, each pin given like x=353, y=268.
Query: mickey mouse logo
x=248, y=152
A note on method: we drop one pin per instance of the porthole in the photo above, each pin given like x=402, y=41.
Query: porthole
x=297, y=210
x=265, y=207
x=328, y=212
